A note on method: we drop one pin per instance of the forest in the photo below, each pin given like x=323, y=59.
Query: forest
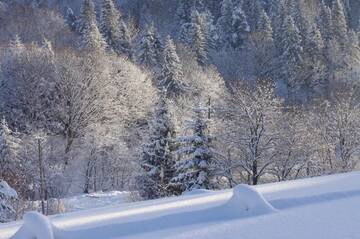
x=161, y=97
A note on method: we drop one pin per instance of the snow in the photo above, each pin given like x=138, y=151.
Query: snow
x=7, y=190
x=322, y=208
x=35, y=226
x=95, y=200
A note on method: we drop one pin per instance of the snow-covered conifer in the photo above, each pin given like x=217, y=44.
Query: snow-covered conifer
x=240, y=28
x=71, y=19
x=149, y=48
x=339, y=23
x=193, y=171
x=91, y=39
x=172, y=74
x=114, y=29
x=6, y=193
x=157, y=158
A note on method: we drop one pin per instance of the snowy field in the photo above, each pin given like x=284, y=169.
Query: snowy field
x=322, y=208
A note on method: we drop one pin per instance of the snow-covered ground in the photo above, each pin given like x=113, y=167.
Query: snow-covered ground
x=322, y=208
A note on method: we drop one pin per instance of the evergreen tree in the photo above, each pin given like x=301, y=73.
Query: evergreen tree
x=325, y=22
x=6, y=193
x=291, y=56
x=157, y=160
x=149, y=48
x=264, y=27
x=240, y=28
x=91, y=39
x=114, y=29
x=184, y=10
x=339, y=24
x=172, y=74
x=71, y=19
x=252, y=10
x=225, y=21
x=193, y=171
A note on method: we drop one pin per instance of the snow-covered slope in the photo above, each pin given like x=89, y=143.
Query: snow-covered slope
x=324, y=207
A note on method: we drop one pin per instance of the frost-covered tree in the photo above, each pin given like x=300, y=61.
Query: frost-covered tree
x=149, y=48
x=252, y=10
x=157, y=159
x=71, y=19
x=194, y=170
x=224, y=23
x=114, y=30
x=90, y=36
x=9, y=147
x=251, y=128
x=291, y=57
x=240, y=28
x=172, y=74
x=325, y=21
x=6, y=193
x=339, y=23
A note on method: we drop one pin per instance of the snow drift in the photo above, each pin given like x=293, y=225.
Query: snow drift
x=36, y=226
x=245, y=198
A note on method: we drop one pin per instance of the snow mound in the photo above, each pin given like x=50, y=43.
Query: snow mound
x=245, y=198
x=36, y=226
x=196, y=192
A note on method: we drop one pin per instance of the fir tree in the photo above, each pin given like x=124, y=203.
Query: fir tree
x=91, y=39
x=264, y=27
x=325, y=22
x=339, y=24
x=114, y=29
x=193, y=171
x=252, y=10
x=149, y=48
x=240, y=28
x=6, y=193
x=157, y=160
x=225, y=21
x=71, y=19
x=172, y=74
x=291, y=56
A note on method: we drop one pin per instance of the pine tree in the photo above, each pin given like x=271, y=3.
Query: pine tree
x=91, y=39
x=184, y=10
x=172, y=74
x=149, y=48
x=240, y=28
x=157, y=160
x=252, y=10
x=325, y=22
x=193, y=171
x=71, y=19
x=264, y=27
x=339, y=24
x=291, y=56
x=225, y=21
x=6, y=193
x=114, y=30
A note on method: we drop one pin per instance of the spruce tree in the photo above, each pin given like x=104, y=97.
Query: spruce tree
x=291, y=56
x=90, y=37
x=325, y=22
x=149, y=48
x=252, y=10
x=339, y=24
x=171, y=78
x=114, y=29
x=157, y=159
x=6, y=193
x=225, y=21
x=71, y=19
x=240, y=28
x=193, y=171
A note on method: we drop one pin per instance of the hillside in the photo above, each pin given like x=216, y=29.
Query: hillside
x=298, y=209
